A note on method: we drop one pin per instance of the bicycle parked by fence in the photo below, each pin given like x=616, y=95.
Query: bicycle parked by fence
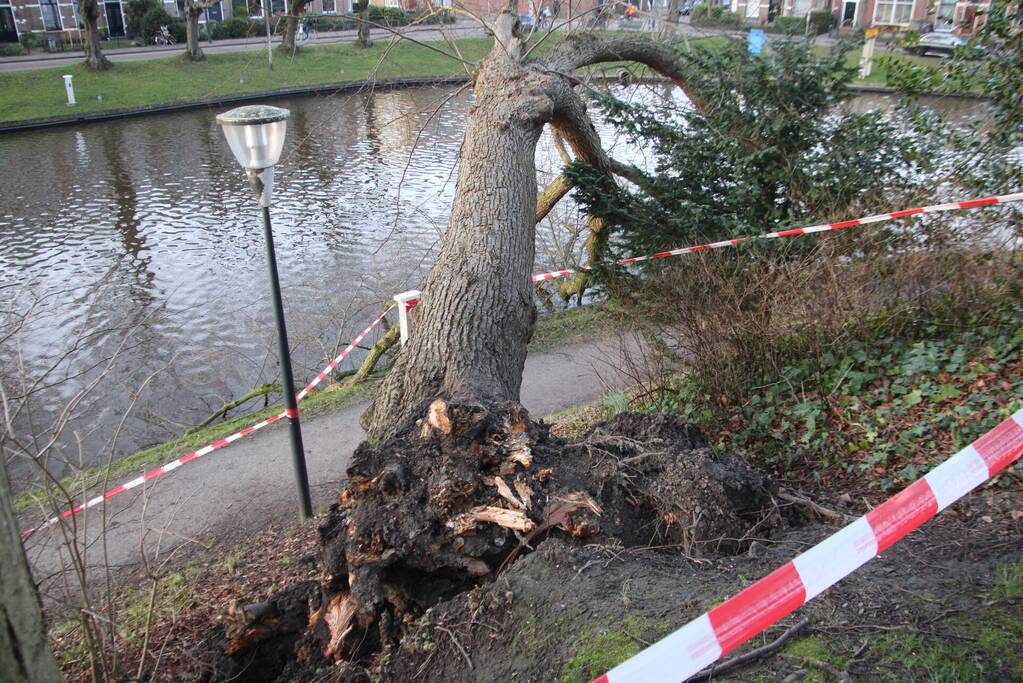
x=164, y=37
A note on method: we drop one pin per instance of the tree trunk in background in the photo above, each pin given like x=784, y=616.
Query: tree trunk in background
x=95, y=60
x=363, y=35
x=193, y=10
x=24, y=654
x=289, y=45
x=476, y=317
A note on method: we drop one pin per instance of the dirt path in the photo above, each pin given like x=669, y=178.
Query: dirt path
x=247, y=486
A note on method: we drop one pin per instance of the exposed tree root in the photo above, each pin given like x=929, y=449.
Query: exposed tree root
x=456, y=497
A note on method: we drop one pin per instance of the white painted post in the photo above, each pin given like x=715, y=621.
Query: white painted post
x=406, y=301
x=70, y=90
x=867, y=59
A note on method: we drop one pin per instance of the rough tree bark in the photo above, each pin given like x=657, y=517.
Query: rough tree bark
x=477, y=314
x=363, y=34
x=95, y=60
x=193, y=10
x=295, y=9
x=24, y=654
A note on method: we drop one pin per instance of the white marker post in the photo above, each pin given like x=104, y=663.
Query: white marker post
x=70, y=90
x=406, y=301
x=867, y=59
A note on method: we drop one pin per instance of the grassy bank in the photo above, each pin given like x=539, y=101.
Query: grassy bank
x=40, y=93
x=560, y=329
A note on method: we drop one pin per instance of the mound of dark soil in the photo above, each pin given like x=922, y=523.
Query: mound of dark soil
x=437, y=513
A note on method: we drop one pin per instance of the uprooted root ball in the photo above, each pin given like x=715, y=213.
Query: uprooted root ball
x=451, y=502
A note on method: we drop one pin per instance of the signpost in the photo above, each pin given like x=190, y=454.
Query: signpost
x=867, y=59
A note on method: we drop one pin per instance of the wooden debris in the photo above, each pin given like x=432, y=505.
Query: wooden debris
x=339, y=617
x=510, y=519
x=505, y=492
x=524, y=492
x=248, y=626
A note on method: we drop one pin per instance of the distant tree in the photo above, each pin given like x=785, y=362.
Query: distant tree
x=363, y=34
x=24, y=654
x=95, y=60
x=295, y=9
x=135, y=11
x=194, y=10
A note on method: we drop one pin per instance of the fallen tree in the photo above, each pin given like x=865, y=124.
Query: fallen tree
x=477, y=312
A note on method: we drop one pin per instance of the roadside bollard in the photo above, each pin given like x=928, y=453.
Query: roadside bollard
x=406, y=302
x=70, y=90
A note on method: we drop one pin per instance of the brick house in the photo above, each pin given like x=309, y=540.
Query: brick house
x=944, y=15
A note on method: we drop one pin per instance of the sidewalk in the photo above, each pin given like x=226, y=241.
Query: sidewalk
x=249, y=485
x=127, y=54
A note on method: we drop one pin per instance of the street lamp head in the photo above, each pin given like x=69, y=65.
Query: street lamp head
x=255, y=134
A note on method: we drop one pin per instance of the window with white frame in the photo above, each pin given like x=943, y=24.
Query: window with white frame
x=894, y=12
x=51, y=15
x=329, y=7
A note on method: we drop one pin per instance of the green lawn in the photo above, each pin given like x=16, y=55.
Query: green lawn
x=40, y=94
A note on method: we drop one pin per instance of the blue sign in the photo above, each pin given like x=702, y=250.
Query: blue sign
x=756, y=41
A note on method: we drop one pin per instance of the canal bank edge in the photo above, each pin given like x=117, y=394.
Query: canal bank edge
x=295, y=91
x=329, y=89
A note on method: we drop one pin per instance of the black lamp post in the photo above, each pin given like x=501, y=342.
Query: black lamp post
x=256, y=136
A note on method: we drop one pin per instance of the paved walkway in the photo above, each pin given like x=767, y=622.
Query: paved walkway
x=463, y=29
x=250, y=484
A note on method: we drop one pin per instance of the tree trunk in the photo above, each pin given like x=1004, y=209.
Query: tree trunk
x=24, y=654
x=288, y=44
x=192, y=49
x=477, y=313
x=95, y=60
x=363, y=34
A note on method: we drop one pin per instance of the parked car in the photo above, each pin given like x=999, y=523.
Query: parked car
x=940, y=43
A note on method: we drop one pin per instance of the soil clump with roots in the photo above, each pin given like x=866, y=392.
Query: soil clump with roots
x=468, y=505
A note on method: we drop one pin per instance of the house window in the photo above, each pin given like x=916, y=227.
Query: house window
x=51, y=15
x=893, y=12
x=329, y=7
x=255, y=8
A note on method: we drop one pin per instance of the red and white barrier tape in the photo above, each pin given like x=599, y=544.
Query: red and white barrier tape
x=707, y=638
x=867, y=220
x=219, y=443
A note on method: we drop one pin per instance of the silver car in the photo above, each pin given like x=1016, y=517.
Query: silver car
x=938, y=42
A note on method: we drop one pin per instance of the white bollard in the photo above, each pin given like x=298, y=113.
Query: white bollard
x=70, y=90
x=406, y=302
x=867, y=57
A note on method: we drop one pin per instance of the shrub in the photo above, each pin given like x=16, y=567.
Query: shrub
x=821, y=21
x=235, y=27
x=388, y=16
x=332, y=22
x=789, y=24
x=241, y=11
x=135, y=13
x=700, y=11
x=11, y=50
x=729, y=19
x=151, y=23
x=178, y=29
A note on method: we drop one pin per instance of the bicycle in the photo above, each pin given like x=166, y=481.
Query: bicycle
x=164, y=37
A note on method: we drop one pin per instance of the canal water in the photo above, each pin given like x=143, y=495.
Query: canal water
x=131, y=252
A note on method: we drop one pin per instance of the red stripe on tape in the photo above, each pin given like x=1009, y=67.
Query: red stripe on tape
x=273, y=418
x=219, y=443
x=902, y=513
x=661, y=254
x=845, y=224
x=1001, y=445
x=740, y=618
x=291, y=412
x=905, y=213
x=986, y=201
x=114, y=491
x=602, y=679
x=187, y=458
x=152, y=474
x=247, y=431
x=788, y=233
